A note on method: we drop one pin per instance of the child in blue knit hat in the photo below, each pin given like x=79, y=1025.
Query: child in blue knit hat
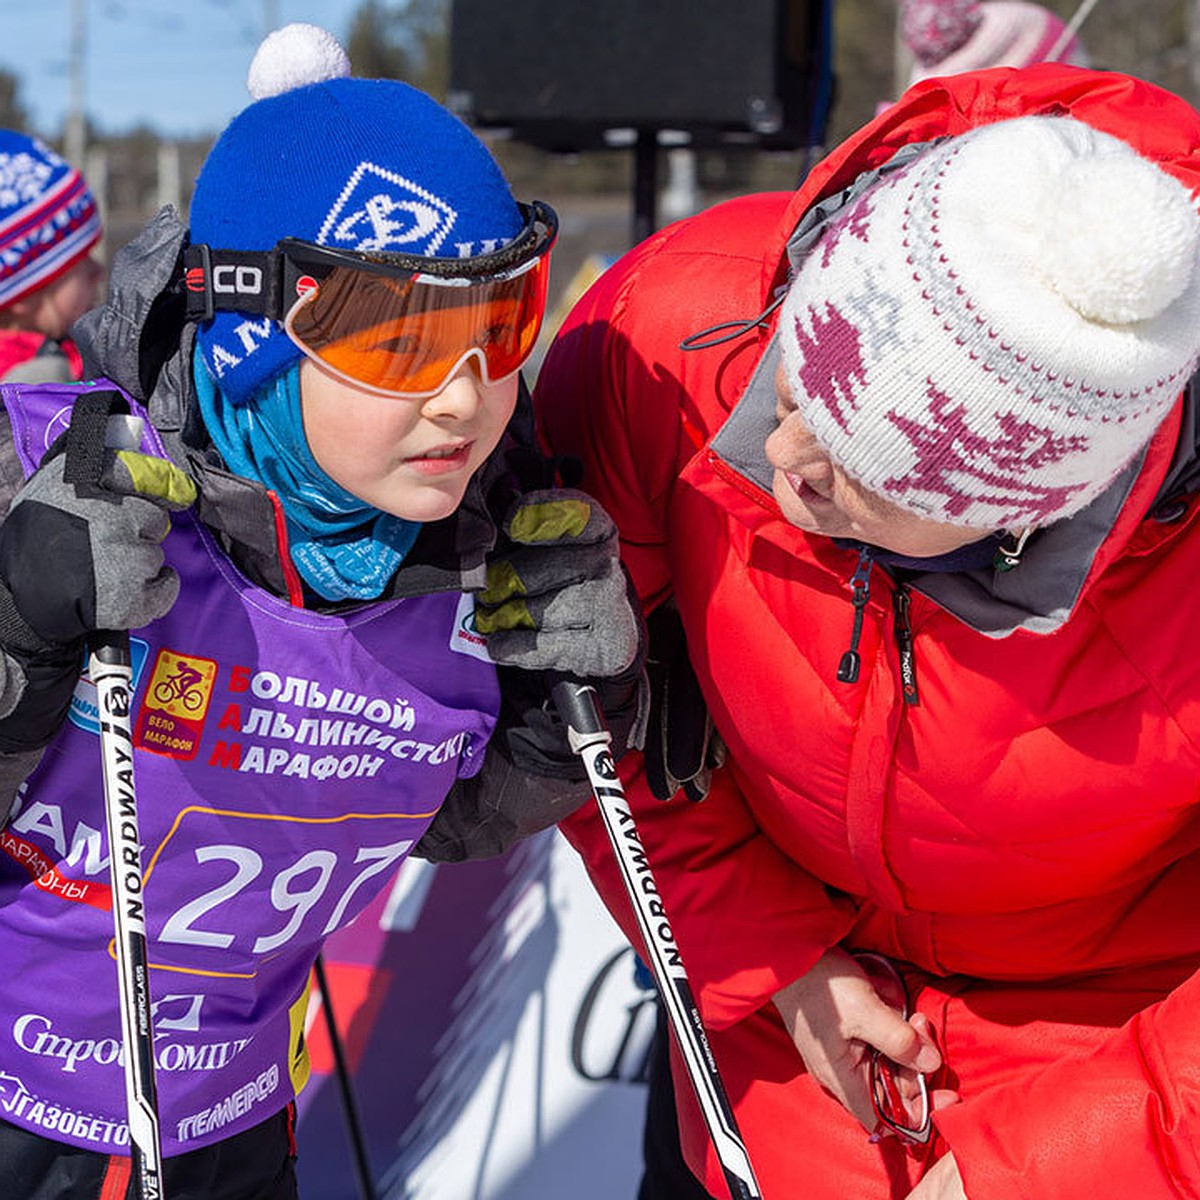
x=49, y=276
x=348, y=579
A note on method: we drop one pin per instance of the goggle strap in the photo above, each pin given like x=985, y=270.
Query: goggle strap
x=244, y=281
x=267, y=282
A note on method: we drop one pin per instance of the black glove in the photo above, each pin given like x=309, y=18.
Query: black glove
x=532, y=736
x=682, y=746
x=558, y=602
x=38, y=681
x=79, y=557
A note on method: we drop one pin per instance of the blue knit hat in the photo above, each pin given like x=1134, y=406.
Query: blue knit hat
x=356, y=164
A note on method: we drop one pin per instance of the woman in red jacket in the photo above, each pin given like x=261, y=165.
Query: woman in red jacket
x=929, y=525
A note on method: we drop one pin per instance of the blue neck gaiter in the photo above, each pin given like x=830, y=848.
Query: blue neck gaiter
x=343, y=548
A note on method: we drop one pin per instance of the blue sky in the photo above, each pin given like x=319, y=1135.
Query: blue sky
x=176, y=65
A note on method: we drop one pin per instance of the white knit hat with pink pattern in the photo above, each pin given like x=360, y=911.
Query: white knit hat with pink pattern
x=947, y=37
x=991, y=334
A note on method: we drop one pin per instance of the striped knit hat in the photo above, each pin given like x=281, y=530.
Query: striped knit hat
x=48, y=218
x=989, y=335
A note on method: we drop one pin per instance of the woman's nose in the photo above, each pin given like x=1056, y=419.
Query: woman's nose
x=791, y=442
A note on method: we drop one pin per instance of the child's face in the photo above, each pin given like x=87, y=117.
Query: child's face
x=411, y=458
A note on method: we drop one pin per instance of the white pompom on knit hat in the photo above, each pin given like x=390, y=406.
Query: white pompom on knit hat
x=293, y=56
x=992, y=333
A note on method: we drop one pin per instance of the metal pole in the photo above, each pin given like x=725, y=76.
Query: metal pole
x=75, y=133
x=358, y=1148
x=645, y=184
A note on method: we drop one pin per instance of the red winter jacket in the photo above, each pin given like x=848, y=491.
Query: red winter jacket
x=1027, y=836
x=28, y=357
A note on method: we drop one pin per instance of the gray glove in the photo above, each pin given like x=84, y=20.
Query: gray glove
x=556, y=597
x=558, y=603
x=77, y=558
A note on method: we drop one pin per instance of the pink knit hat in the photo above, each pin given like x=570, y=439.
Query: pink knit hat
x=989, y=335
x=947, y=37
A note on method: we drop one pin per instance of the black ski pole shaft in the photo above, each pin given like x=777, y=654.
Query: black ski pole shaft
x=96, y=423
x=590, y=739
x=111, y=672
x=358, y=1145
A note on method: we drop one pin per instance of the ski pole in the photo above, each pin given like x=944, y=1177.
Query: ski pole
x=358, y=1145
x=96, y=423
x=590, y=739
x=112, y=674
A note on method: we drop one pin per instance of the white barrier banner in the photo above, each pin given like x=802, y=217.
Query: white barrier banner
x=496, y=1036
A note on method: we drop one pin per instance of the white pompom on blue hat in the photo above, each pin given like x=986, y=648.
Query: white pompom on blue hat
x=355, y=164
x=293, y=56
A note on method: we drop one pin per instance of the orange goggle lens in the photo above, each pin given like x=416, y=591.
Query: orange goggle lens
x=408, y=337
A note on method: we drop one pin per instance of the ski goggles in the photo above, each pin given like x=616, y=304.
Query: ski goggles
x=396, y=324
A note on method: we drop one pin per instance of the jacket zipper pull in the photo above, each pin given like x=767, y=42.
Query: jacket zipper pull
x=904, y=642
x=848, y=668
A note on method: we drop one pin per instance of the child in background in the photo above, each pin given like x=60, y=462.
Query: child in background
x=49, y=226
x=946, y=37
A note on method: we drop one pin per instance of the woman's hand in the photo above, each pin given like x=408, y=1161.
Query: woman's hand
x=836, y=1017
x=942, y=1182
